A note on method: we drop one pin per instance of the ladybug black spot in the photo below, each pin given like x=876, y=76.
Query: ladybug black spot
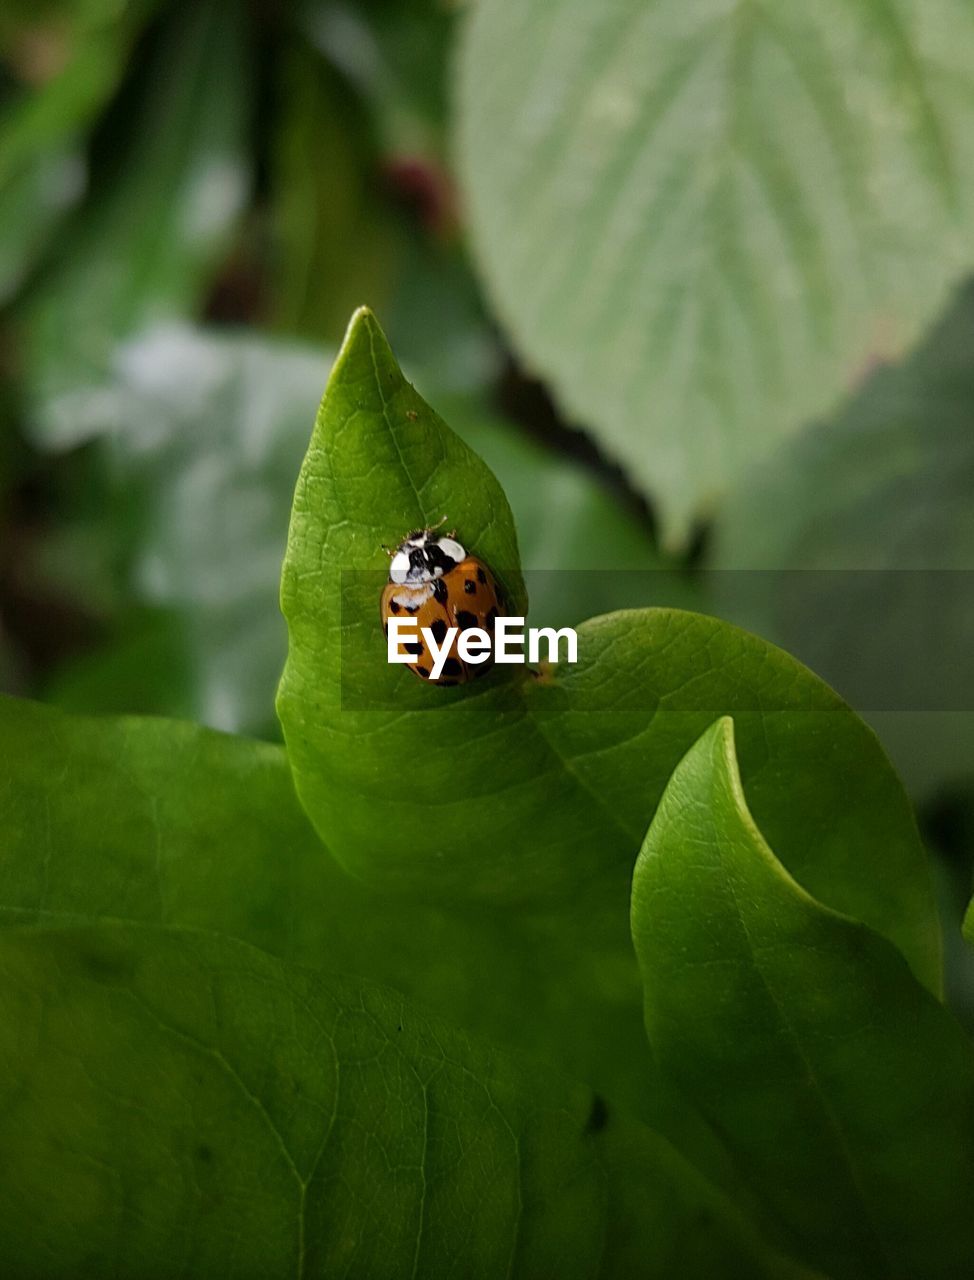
x=491, y=619
x=394, y=607
x=439, y=630
x=481, y=575
x=440, y=591
x=452, y=667
x=414, y=647
x=465, y=620
x=470, y=586
x=412, y=608
x=422, y=671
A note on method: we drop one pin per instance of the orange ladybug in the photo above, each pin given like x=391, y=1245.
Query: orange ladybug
x=432, y=578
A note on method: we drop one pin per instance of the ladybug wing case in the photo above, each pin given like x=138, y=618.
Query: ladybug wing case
x=465, y=597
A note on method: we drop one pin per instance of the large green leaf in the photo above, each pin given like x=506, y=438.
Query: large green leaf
x=525, y=786
x=702, y=220
x=844, y=1090
x=162, y=823
x=174, y=1103
x=145, y=248
x=877, y=502
x=153, y=822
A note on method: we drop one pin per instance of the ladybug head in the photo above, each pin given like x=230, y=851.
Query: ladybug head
x=423, y=556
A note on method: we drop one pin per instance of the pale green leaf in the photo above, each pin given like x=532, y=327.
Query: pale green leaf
x=701, y=220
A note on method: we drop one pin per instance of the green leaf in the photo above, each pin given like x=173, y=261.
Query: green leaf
x=157, y=822
x=841, y=1086
x=145, y=248
x=702, y=221
x=173, y=1102
x=545, y=782
x=877, y=501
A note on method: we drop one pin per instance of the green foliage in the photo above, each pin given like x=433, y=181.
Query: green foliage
x=202, y=434
x=704, y=224
x=168, y=911
x=702, y=221
x=327, y=227
x=143, y=250
x=837, y=1081
x=43, y=167
x=881, y=485
x=551, y=780
x=166, y=827
x=264, y=1119
x=877, y=502
x=176, y=535
x=161, y=823
x=396, y=53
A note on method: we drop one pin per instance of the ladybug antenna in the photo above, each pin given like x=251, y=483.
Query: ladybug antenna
x=442, y=520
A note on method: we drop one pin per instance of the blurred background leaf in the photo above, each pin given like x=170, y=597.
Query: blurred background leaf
x=60, y=63
x=701, y=220
x=173, y=181
x=202, y=434
x=876, y=502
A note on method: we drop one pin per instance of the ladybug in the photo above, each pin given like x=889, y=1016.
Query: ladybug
x=432, y=578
